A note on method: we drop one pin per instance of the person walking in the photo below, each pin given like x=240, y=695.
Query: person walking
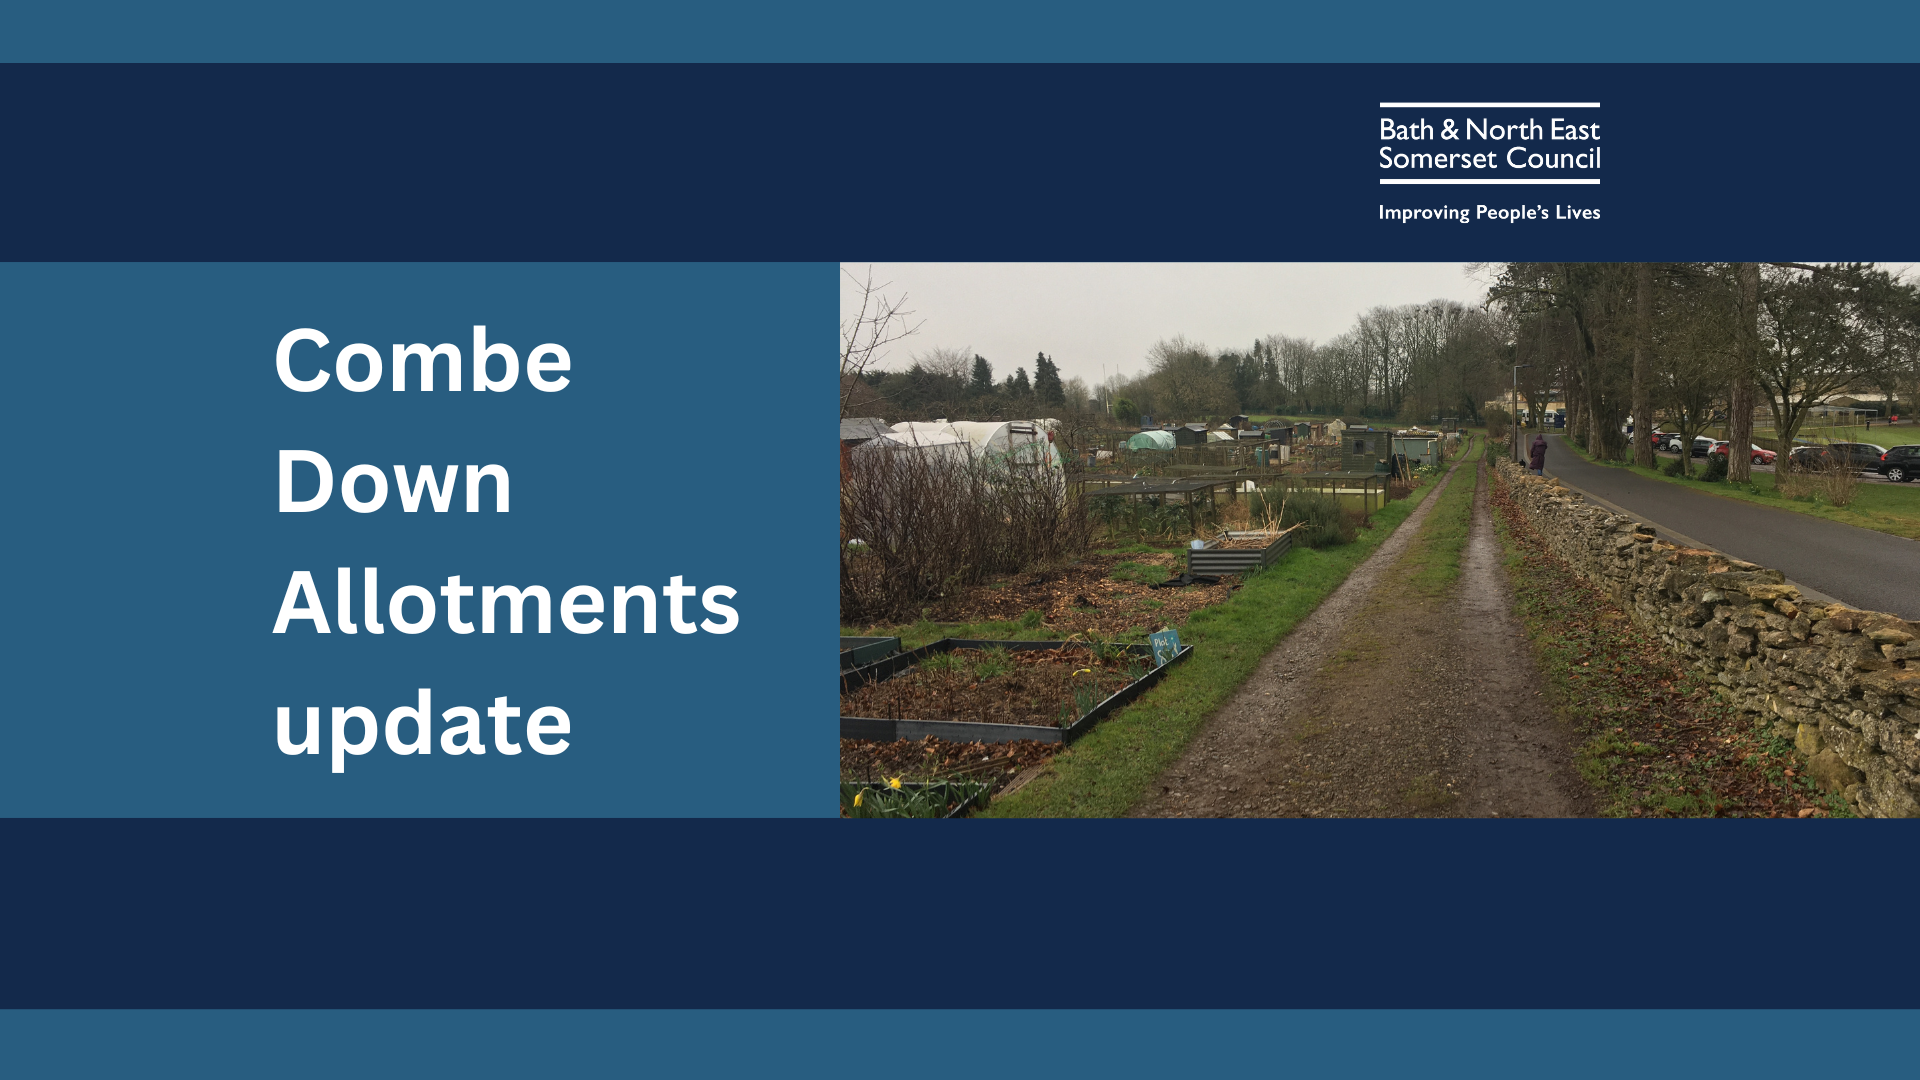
x=1537, y=455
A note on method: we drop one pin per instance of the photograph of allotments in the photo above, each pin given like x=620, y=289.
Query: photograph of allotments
x=1380, y=540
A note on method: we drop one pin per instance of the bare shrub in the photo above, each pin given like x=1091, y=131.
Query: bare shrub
x=1836, y=480
x=1796, y=482
x=1826, y=476
x=916, y=526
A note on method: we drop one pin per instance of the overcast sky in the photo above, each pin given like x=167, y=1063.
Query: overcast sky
x=1085, y=315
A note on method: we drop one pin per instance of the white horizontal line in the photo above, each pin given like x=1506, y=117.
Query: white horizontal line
x=1454, y=181
x=1489, y=104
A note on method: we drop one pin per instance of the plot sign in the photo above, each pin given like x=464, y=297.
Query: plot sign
x=1166, y=645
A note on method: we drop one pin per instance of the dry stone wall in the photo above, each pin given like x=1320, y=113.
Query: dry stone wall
x=1843, y=684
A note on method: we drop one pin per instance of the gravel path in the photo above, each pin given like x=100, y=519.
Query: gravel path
x=1384, y=704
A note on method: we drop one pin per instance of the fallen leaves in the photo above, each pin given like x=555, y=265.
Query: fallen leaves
x=1711, y=760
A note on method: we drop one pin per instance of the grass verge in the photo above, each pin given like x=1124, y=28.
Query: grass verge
x=1887, y=508
x=1880, y=434
x=1432, y=564
x=1658, y=739
x=1105, y=773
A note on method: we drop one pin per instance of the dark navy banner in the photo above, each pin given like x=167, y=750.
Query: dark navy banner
x=970, y=162
x=828, y=914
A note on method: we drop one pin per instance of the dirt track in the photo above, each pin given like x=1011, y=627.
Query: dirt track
x=1385, y=704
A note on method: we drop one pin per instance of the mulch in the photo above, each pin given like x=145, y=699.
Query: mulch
x=1082, y=597
x=1042, y=687
x=1665, y=743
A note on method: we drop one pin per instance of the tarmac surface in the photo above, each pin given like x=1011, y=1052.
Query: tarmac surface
x=1871, y=570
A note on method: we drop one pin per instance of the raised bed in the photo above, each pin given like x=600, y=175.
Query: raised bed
x=861, y=651
x=854, y=727
x=1217, y=558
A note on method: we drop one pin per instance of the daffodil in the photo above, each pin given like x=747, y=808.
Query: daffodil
x=857, y=796
x=1082, y=671
x=894, y=783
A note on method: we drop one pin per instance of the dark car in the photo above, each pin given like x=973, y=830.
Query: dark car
x=1900, y=463
x=1860, y=455
x=1853, y=455
x=1702, y=445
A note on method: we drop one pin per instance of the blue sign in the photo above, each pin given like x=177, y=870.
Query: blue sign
x=1166, y=645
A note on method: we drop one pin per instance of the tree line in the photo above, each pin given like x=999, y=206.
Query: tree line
x=1705, y=344
x=1696, y=344
x=1414, y=363
x=959, y=384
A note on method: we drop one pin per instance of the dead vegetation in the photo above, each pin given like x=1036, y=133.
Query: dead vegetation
x=1827, y=478
x=916, y=528
x=1107, y=594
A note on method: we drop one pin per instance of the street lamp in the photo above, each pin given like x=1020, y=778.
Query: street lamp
x=1516, y=410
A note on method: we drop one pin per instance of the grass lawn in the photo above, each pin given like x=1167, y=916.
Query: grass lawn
x=1887, y=508
x=1902, y=434
x=1106, y=772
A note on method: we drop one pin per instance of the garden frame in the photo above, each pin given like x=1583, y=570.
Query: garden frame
x=882, y=730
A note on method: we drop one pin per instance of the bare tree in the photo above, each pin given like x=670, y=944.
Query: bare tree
x=864, y=339
x=1642, y=359
x=1186, y=382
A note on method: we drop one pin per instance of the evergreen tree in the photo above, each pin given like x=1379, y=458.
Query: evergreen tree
x=1046, y=381
x=982, y=384
x=1020, y=388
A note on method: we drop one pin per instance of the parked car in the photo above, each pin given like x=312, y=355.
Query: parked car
x=1854, y=455
x=1861, y=455
x=1900, y=464
x=1759, y=456
x=1808, y=456
x=1702, y=445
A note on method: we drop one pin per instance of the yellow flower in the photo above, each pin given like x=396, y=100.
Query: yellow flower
x=856, y=797
x=894, y=783
x=1082, y=671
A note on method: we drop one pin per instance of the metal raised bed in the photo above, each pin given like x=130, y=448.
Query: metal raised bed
x=861, y=651
x=856, y=727
x=1216, y=560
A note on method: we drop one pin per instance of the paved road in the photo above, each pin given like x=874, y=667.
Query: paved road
x=1859, y=567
